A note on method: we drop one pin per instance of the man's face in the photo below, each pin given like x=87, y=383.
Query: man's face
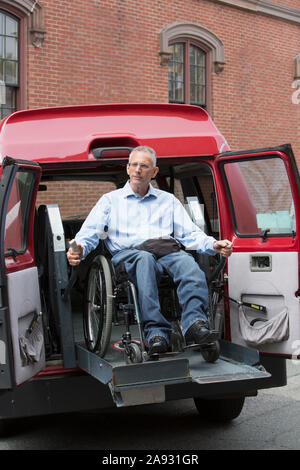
x=141, y=169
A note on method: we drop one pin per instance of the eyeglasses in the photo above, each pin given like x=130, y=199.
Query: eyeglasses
x=142, y=166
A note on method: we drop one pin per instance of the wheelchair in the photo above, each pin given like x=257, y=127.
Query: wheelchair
x=110, y=299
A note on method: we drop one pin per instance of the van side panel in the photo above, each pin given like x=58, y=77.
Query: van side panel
x=24, y=305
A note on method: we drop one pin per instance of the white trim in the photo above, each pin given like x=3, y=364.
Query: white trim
x=26, y=6
x=266, y=7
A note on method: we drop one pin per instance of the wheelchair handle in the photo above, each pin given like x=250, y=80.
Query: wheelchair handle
x=218, y=269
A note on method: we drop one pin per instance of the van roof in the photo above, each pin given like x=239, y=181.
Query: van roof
x=70, y=133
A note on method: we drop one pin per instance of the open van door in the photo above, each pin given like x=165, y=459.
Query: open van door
x=21, y=334
x=260, y=212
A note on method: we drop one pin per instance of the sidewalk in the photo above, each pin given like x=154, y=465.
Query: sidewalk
x=292, y=367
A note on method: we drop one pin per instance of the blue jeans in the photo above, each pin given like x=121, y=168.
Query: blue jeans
x=144, y=270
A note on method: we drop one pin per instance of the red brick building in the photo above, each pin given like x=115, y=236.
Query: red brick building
x=238, y=58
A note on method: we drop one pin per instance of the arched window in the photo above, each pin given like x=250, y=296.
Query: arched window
x=187, y=73
x=9, y=62
x=21, y=24
x=193, y=53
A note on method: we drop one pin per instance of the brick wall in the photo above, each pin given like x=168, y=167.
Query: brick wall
x=75, y=198
x=107, y=51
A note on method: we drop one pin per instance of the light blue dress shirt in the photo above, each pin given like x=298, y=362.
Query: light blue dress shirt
x=125, y=219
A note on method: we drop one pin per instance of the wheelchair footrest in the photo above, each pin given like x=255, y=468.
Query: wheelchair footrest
x=169, y=354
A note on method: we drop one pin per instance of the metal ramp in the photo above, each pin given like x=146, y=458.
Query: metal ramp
x=147, y=382
x=133, y=384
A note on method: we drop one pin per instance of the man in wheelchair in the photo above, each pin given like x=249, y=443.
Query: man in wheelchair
x=137, y=213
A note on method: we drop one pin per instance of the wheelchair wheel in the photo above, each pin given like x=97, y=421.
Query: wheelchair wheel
x=97, y=317
x=134, y=353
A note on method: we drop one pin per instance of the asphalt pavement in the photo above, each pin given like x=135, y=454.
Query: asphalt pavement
x=270, y=421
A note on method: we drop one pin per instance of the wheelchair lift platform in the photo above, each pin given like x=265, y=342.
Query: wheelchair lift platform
x=186, y=374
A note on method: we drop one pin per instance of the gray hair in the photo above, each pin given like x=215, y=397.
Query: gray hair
x=144, y=148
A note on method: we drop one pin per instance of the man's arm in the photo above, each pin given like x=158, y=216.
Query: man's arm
x=193, y=238
x=91, y=231
x=224, y=247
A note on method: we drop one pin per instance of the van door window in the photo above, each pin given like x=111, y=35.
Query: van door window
x=197, y=193
x=17, y=212
x=206, y=184
x=261, y=198
x=193, y=185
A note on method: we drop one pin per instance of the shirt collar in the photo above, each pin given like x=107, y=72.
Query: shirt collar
x=128, y=191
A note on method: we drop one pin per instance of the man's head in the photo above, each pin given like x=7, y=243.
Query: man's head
x=144, y=148
x=141, y=168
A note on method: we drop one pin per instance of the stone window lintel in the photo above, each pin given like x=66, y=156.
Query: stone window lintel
x=35, y=12
x=196, y=32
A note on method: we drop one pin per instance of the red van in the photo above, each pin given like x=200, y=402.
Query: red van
x=55, y=164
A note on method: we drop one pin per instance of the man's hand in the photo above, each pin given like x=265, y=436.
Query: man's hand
x=224, y=247
x=74, y=257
